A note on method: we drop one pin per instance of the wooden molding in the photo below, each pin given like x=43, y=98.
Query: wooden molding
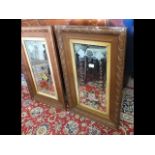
x=117, y=37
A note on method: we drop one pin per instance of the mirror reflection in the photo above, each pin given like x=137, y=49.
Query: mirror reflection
x=91, y=75
x=39, y=61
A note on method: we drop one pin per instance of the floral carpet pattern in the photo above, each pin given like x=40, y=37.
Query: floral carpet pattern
x=92, y=95
x=41, y=119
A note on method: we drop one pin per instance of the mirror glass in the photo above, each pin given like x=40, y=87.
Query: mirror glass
x=38, y=58
x=90, y=63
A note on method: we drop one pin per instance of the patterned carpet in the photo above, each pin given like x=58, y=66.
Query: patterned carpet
x=41, y=119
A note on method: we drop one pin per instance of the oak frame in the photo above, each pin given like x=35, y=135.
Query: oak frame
x=116, y=36
x=45, y=33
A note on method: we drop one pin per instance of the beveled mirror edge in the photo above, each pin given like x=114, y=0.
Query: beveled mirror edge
x=104, y=44
x=49, y=63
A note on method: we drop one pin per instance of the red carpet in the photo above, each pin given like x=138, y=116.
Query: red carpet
x=39, y=118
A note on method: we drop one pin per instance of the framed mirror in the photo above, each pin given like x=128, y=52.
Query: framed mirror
x=93, y=62
x=40, y=60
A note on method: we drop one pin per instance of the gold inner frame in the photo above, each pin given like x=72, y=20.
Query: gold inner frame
x=49, y=63
x=97, y=43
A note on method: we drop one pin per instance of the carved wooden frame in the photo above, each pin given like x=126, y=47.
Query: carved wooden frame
x=46, y=33
x=117, y=37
